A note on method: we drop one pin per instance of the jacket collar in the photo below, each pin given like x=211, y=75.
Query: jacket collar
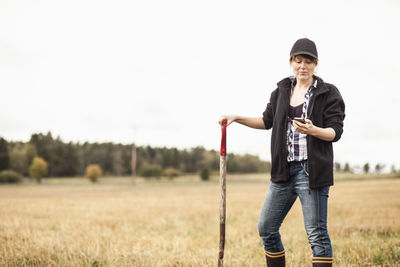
x=286, y=83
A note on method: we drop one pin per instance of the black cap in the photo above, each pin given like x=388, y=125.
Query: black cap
x=304, y=46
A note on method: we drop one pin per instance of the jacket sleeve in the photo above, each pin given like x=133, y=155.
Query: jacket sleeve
x=268, y=114
x=334, y=112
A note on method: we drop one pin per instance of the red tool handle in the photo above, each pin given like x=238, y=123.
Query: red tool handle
x=223, y=138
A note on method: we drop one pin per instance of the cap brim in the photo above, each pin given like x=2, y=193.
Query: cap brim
x=304, y=53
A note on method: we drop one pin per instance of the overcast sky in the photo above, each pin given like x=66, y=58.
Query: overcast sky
x=162, y=72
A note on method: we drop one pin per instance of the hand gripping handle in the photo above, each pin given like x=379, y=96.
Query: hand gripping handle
x=223, y=139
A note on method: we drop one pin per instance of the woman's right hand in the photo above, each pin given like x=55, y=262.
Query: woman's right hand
x=228, y=118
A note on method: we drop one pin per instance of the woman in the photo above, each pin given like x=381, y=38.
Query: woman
x=301, y=153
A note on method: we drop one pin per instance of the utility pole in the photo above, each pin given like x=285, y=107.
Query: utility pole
x=133, y=163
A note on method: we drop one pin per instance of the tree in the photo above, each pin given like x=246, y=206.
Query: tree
x=21, y=156
x=393, y=169
x=211, y=159
x=93, y=172
x=193, y=159
x=118, y=164
x=338, y=167
x=347, y=167
x=44, y=148
x=205, y=174
x=366, y=167
x=246, y=164
x=69, y=159
x=4, y=156
x=133, y=161
x=379, y=167
x=101, y=154
x=38, y=169
x=171, y=172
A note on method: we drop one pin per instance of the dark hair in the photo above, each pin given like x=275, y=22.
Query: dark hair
x=305, y=56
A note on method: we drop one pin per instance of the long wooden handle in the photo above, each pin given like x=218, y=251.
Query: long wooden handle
x=223, y=138
x=222, y=202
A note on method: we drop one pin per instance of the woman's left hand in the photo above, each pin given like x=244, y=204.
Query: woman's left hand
x=304, y=128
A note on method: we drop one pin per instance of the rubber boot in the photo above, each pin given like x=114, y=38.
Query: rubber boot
x=275, y=259
x=322, y=262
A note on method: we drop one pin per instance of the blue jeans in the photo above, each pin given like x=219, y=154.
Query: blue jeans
x=280, y=199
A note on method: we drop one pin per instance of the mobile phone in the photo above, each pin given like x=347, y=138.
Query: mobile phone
x=299, y=119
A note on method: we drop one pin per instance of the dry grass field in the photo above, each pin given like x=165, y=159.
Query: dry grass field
x=113, y=223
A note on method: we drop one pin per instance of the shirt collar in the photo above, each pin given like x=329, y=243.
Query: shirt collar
x=294, y=81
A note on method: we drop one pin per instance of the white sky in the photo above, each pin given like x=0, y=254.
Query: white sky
x=162, y=72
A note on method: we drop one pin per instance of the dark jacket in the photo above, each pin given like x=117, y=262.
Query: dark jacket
x=326, y=109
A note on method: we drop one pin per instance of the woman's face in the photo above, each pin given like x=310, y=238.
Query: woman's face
x=303, y=68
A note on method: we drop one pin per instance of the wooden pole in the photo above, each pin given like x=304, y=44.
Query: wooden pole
x=222, y=202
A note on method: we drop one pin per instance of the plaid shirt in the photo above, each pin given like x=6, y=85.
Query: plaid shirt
x=297, y=142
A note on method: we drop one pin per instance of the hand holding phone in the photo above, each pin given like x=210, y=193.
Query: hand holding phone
x=299, y=119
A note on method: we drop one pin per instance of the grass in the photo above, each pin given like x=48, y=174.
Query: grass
x=70, y=222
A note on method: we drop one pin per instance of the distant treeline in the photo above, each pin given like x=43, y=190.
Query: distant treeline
x=71, y=159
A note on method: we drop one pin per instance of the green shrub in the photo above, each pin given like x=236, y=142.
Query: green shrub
x=171, y=172
x=93, y=172
x=38, y=168
x=151, y=171
x=205, y=174
x=10, y=177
